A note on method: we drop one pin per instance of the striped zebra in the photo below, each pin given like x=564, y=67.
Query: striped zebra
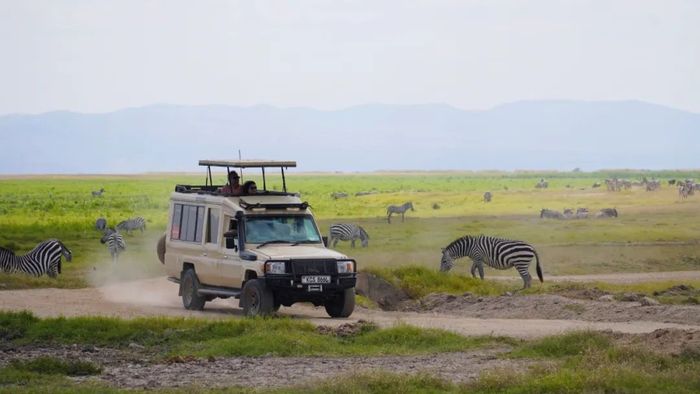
x=45, y=258
x=347, y=232
x=98, y=193
x=137, y=223
x=488, y=196
x=495, y=252
x=392, y=209
x=115, y=243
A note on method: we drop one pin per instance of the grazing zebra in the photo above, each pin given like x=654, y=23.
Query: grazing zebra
x=487, y=197
x=683, y=191
x=98, y=193
x=607, y=213
x=550, y=214
x=45, y=258
x=568, y=213
x=347, y=232
x=115, y=243
x=581, y=213
x=101, y=224
x=495, y=252
x=542, y=184
x=338, y=195
x=137, y=223
x=392, y=209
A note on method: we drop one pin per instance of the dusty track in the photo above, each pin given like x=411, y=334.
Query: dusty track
x=158, y=297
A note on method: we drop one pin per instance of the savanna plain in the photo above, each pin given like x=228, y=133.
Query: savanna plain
x=51, y=347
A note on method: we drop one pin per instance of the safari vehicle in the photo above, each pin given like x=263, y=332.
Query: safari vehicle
x=263, y=248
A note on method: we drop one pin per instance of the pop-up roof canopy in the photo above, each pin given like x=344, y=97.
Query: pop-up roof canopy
x=247, y=163
x=262, y=164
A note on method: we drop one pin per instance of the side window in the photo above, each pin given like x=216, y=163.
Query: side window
x=212, y=225
x=177, y=218
x=188, y=222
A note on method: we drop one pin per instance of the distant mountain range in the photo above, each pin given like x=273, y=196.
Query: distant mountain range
x=522, y=135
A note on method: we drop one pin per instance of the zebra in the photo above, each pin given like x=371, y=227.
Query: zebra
x=98, y=193
x=347, y=232
x=568, y=213
x=496, y=252
x=115, y=243
x=101, y=224
x=581, y=213
x=488, y=196
x=45, y=258
x=607, y=213
x=337, y=195
x=392, y=209
x=550, y=214
x=137, y=223
x=542, y=184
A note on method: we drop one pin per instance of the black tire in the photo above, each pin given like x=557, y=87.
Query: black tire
x=190, y=298
x=276, y=306
x=342, y=305
x=160, y=249
x=257, y=299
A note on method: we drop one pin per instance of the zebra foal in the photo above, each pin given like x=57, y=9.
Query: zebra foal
x=347, y=232
x=392, y=209
x=45, y=258
x=496, y=252
x=137, y=223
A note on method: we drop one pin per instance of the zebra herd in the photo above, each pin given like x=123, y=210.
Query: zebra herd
x=45, y=258
x=581, y=213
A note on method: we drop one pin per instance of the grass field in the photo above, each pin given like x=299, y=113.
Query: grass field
x=655, y=231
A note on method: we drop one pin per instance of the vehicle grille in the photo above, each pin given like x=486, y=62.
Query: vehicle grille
x=314, y=267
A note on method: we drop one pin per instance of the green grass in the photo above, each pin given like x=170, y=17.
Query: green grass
x=654, y=232
x=240, y=337
x=419, y=281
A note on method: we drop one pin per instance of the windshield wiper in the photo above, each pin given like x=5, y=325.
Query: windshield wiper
x=305, y=242
x=274, y=241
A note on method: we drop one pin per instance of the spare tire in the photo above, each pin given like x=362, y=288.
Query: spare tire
x=160, y=249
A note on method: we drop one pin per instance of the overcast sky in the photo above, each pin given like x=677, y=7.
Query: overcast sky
x=97, y=56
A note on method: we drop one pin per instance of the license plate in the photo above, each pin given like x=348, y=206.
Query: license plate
x=315, y=279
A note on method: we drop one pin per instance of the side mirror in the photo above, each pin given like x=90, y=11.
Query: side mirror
x=325, y=240
x=230, y=237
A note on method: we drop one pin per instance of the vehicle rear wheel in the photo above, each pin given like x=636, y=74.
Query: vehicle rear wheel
x=342, y=305
x=188, y=285
x=257, y=299
x=160, y=249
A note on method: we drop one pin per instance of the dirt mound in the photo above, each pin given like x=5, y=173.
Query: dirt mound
x=583, y=294
x=552, y=307
x=669, y=341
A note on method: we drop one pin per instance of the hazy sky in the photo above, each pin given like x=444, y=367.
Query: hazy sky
x=95, y=56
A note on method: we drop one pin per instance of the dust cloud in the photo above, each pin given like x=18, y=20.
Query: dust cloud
x=137, y=278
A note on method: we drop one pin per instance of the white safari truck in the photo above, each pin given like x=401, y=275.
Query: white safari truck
x=263, y=248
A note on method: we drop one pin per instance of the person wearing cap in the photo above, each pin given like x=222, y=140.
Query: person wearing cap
x=233, y=186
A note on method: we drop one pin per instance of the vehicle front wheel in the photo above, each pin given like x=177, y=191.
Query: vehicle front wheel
x=342, y=305
x=188, y=286
x=257, y=299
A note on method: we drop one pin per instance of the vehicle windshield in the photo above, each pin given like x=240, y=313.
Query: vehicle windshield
x=281, y=229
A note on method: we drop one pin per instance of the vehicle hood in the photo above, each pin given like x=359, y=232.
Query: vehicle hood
x=285, y=252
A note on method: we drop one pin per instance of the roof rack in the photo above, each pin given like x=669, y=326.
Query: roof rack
x=252, y=206
x=262, y=164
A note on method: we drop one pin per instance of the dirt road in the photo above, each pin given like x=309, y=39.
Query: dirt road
x=158, y=297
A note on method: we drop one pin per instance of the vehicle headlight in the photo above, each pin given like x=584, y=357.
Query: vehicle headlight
x=346, y=266
x=275, y=267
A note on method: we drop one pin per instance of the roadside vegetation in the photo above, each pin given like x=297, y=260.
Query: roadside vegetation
x=574, y=362
x=181, y=337
x=419, y=281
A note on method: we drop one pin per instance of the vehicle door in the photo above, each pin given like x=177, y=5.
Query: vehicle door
x=230, y=267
